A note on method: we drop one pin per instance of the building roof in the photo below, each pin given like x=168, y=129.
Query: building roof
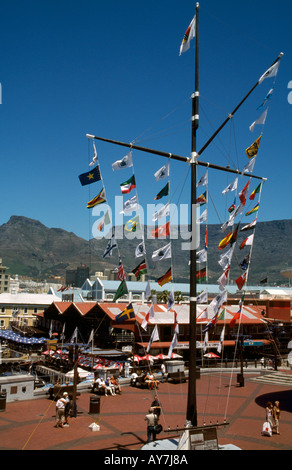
x=27, y=299
x=250, y=314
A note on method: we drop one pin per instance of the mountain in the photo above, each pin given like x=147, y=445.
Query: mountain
x=31, y=249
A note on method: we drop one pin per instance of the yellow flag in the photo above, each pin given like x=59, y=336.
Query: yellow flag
x=253, y=149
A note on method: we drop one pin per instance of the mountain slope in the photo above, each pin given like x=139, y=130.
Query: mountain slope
x=30, y=248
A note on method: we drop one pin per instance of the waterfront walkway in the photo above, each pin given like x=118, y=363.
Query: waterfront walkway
x=29, y=425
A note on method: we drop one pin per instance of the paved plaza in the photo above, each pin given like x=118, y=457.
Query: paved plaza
x=29, y=425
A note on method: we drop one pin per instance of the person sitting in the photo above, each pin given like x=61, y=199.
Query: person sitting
x=100, y=385
x=116, y=384
x=133, y=380
x=110, y=387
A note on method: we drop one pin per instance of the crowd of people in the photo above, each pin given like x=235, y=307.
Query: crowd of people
x=110, y=385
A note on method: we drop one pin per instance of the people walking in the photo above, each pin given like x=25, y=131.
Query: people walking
x=156, y=405
x=60, y=412
x=152, y=420
x=67, y=409
x=276, y=416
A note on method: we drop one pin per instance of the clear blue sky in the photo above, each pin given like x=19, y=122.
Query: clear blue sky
x=113, y=69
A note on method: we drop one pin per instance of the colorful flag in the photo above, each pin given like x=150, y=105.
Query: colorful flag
x=105, y=221
x=241, y=281
x=126, y=314
x=201, y=275
x=260, y=120
x=128, y=185
x=271, y=72
x=252, y=211
x=255, y=191
x=122, y=290
x=202, y=199
x=162, y=231
x=232, y=207
x=163, y=212
x=253, y=149
x=162, y=253
x=130, y=205
x=99, y=199
x=126, y=162
x=163, y=192
x=133, y=225
x=250, y=226
x=226, y=240
x=223, y=279
x=90, y=176
x=222, y=314
x=167, y=277
x=110, y=246
x=247, y=242
x=211, y=323
x=140, y=269
x=237, y=315
x=162, y=173
x=231, y=187
x=121, y=272
x=244, y=264
x=188, y=36
x=149, y=314
x=243, y=194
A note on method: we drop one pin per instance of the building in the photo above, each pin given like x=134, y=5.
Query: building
x=21, y=309
x=4, y=278
x=76, y=277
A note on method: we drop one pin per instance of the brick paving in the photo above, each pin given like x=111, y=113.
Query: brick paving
x=29, y=425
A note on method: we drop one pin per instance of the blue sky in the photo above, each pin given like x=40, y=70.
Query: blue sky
x=113, y=69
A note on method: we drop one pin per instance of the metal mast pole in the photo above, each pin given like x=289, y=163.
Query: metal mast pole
x=192, y=399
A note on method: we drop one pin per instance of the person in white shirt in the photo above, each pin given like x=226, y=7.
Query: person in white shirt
x=60, y=412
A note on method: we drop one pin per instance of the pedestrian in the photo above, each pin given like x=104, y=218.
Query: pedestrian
x=60, y=412
x=156, y=405
x=269, y=414
x=67, y=409
x=276, y=415
x=152, y=420
x=163, y=370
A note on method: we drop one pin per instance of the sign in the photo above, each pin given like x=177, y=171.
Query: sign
x=252, y=343
x=204, y=439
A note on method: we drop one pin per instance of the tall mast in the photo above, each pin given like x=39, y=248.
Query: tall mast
x=192, y=398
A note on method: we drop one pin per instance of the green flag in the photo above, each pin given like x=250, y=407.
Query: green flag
x=163, y=192
x=122, y=290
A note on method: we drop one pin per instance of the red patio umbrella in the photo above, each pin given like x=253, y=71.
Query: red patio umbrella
x=211, y=356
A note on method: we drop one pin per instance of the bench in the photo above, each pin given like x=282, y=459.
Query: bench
x=57, y=391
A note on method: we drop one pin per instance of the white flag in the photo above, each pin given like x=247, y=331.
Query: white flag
x=162, y=253
x=231, y=187
x=271, y=72
x=74, y=336
x=203, y=217
x=130, y=205
x=162, y=173
x=249, y=167
x=140, y=250
x=203, y=297
x=225, y=258
x=154, y=337
x=90, y=339
x=203, y=180
x=170, y=301
x=188, y=36
x=260, y=120
x=219, y=349
x=202, y=256
x=206, y=340
x=163, y=212
x=126, y=162
x=173, y=344
x=218, y=301
x=147, y=291
x=94, y=159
